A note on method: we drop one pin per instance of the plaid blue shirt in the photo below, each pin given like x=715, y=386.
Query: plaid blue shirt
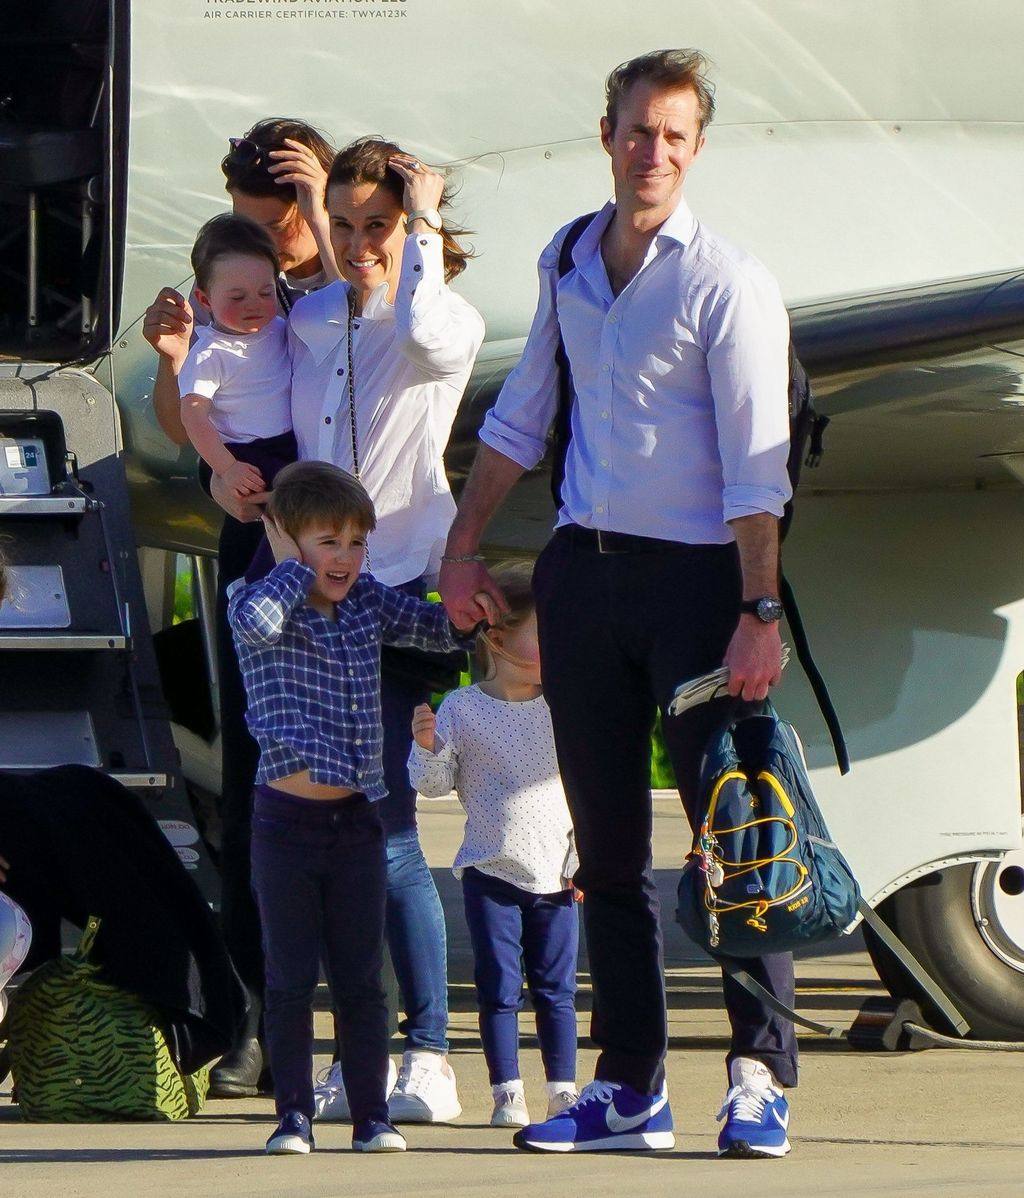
x=313, y=684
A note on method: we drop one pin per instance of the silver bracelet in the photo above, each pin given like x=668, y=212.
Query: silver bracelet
x=465, y=557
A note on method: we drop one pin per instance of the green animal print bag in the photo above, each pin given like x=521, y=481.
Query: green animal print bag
x=84, y=1051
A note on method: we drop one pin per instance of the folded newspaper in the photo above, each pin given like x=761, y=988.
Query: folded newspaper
x=708, y=686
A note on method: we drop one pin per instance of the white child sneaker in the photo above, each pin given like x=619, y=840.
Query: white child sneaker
x=560, y=1098
x=509, y=1105
x=329, y=1098
x=425, y=1091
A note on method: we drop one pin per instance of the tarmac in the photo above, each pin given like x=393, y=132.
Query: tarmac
x=938, y=1122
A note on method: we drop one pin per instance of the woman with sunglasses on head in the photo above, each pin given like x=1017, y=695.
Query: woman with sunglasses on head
x=275, y=176
x=380, y=361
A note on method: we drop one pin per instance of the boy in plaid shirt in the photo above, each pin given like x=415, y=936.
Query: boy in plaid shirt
x=308, y=636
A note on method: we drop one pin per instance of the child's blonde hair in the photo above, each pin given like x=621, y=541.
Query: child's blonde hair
x=308, y=493
x=516, y=581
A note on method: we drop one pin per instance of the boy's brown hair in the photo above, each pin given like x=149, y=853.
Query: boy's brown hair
x=229, y=234
x=308, y=493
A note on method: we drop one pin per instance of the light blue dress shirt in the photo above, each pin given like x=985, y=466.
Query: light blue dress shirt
x=682, y=416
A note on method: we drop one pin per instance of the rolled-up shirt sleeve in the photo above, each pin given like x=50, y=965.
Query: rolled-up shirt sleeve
x=437, y=330
x=518, y=424
x=748, y=362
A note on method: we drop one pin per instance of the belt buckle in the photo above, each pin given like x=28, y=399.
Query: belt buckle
x=601, y=533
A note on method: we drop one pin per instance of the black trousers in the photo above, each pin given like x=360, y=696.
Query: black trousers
x=618, y=632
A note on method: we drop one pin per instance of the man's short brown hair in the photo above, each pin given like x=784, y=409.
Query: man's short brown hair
x=229, y=234
x=309, y=493
x=669, y=69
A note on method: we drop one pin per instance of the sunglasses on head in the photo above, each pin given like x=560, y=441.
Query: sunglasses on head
x=242, y=153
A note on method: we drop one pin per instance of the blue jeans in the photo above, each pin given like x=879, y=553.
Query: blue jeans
x=512, y=932
x=416, y=938
x=415, y=917
x=318, y=875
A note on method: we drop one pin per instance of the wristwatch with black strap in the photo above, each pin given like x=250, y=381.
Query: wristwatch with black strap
x=768, y=608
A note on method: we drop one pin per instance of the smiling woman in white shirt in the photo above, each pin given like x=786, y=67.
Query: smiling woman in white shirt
x=380, y=361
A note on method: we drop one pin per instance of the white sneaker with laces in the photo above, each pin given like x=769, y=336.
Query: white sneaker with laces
x=329, y=1098
x=425, y=1091
x=561, y=1099
x=509, y=1105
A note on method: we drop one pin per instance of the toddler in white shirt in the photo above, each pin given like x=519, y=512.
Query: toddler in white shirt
x=235, y=384
x=493, y=744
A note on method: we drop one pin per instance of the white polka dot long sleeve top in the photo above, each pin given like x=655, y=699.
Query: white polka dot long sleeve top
x=500, y=759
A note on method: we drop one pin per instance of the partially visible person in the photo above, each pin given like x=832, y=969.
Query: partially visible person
x=492, y=744
x=380, y=362
x=274, y=175
x=664, y=564
x=309, y=636
x=235, y=382
x=15, y=938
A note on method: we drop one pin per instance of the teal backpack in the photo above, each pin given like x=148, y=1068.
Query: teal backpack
x=764, y=876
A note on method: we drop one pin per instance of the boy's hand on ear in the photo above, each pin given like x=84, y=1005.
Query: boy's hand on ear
x=283, y=547
x=424, y=723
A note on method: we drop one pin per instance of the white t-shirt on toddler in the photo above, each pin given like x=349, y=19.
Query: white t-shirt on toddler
x=247, y=378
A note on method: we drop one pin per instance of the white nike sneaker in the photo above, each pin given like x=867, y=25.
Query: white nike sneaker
x=329, y=1098
x=425, y=1091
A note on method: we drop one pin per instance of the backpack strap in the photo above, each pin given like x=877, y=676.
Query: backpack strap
x=807, y=663
x=899, y=950
x=561, y=429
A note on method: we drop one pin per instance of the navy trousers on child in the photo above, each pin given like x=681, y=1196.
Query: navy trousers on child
x=512, y=932
x=318, y=873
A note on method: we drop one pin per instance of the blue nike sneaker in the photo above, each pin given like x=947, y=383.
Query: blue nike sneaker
x=756, y=1114
x=607, y=1117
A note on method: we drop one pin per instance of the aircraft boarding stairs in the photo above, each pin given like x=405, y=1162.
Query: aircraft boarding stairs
x=78, y=674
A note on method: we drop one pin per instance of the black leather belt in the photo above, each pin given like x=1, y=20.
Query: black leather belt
x=599, y=541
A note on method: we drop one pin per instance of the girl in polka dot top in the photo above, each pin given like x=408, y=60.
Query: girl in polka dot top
x=492, y=744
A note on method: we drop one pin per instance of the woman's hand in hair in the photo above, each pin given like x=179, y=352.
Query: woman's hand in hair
x=299, y=166
x=423, y=187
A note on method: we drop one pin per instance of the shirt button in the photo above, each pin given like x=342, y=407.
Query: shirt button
x=600, y=508
x=606, y=368
x=341, y=371
x=327, y=420
x=604, y=461
x=355, y=706
x=355, y=326
x=417, y=268
x=359, y=741
x=351, y=673
x=423, y=241
x=604, y=415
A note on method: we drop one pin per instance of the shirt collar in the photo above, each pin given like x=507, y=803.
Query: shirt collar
x=680, y=226
x=321, y=319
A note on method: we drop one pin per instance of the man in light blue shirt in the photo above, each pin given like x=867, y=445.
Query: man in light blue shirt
x=664, y=564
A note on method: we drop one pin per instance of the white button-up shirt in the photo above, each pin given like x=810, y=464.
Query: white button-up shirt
x=682, y=417
x=411, y=362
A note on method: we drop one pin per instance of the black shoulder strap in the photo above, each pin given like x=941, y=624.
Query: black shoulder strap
x=807, y=663
x=561, y=430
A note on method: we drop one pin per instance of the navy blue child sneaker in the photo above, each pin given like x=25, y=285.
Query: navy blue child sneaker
x=608, y=1117
x=374, y=1135
x=756, y=1114
x=293, y=1135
